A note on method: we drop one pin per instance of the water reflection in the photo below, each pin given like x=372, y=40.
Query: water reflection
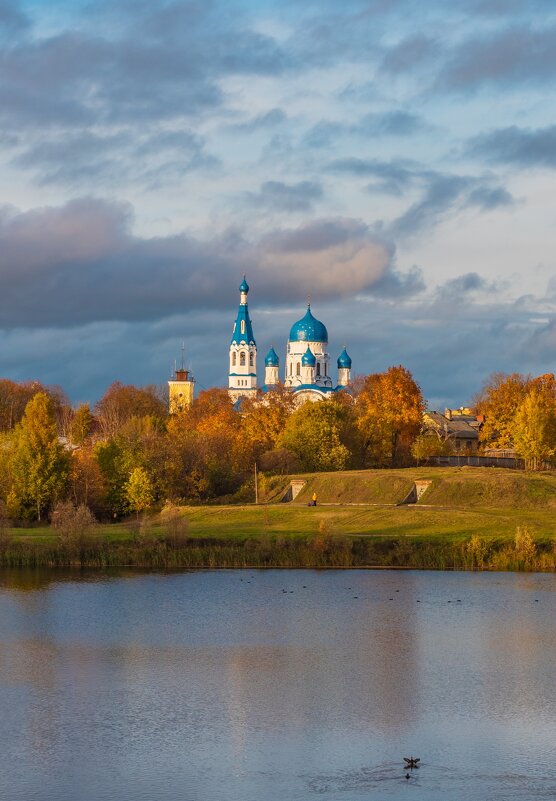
x=295, y=685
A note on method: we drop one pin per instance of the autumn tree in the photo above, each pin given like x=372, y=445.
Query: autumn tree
x=121, y=402
x=428, y=444
x=323, y=435
x=534, y=427
x=207, y=453
x=264, y=417
x=390, y=411
x=498, y=402
x=139, y=491
x=87, y=483
x=81, y=424
x=39, y=464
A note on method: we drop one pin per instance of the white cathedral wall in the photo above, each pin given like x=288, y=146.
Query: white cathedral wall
x=294, y=354
x=243, y=376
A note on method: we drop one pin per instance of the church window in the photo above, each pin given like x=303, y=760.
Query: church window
x=242, y=359
x=243, y=326
x=250, y=360
x=298, y=371
x=325, y=370
x=234, y=359
x=318, y=368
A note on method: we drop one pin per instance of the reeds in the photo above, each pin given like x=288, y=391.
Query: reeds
x=322, y=550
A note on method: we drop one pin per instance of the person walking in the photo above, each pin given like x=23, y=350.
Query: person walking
x=314, y=499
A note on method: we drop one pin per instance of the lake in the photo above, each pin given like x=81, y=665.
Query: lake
x=277, y=686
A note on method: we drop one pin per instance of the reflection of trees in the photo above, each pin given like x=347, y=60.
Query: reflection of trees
x=358, y=668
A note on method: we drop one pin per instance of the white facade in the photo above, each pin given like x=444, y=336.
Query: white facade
x=294, y=376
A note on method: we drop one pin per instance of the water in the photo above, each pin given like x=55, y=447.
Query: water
x=220, y=686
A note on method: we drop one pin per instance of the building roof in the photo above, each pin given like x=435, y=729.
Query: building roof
x=308, y=329
x=244, y=286
x=344, y=359
x=457, y=429
x=243, y=333
x=272, y=359
x=308, y=358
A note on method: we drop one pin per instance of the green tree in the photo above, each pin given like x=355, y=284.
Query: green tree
x=323, y=435
x=535, y=427
x=139, y=491
x=39, y=464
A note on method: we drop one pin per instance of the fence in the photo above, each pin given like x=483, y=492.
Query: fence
x=511, y=463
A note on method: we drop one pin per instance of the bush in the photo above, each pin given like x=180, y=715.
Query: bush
x=72, y=522
x=176, y=526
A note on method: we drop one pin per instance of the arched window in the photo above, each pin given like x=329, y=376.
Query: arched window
x=318, y=368
x=242, y=359
x=234, y=359
x=243, y=326
x=250, y=360
x=298, y=370
x=325, y=369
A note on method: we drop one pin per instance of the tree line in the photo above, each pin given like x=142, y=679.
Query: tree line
x=127, y=454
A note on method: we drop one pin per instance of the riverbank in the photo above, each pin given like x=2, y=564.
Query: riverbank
x=467, y=519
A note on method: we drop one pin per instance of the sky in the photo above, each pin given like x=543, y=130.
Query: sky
x=394, y=161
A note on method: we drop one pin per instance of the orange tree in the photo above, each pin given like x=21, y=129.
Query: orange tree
x=390, y=409
x=498, y=402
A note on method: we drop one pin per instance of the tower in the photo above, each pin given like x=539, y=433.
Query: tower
x=308, y=365
x=308, y=336
x=344, y=368
x=242, y=378
x=272, y=369
x=180, y=388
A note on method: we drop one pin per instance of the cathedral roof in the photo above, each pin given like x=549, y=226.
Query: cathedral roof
x=344, y=359
x=243, y=330
x=308, y=329
x=272, y=359
x=308, y=358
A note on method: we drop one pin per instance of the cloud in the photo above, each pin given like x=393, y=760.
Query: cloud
x=396, y=122
x=523, y=147
x=152, y=63
x=513, y=55
x=410, y=53
x=279, y=196
x=146, y=158
x=80, y=263
x=12, y=17
x=445, y=194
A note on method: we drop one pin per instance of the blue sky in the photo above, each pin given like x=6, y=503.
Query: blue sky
x=393, y=160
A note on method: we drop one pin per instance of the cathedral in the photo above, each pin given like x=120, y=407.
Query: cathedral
x=307, y=364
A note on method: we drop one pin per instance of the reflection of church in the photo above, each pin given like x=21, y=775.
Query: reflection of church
x=307, y=370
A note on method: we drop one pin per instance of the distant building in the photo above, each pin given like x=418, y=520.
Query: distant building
x=307, y=368
x=460, y=429
x=180, y=389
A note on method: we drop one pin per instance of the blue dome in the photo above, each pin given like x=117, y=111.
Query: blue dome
x=244, y=286
x=308, y=329
x=272, y=359
x=308, y=358
x=344, y=359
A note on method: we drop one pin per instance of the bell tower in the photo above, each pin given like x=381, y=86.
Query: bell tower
x=242, y=376
x=180, y=388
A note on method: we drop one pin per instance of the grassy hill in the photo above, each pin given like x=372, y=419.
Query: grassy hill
x=358, y=521
x=453, y=487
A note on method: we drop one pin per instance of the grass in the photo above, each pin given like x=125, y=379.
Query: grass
x=356, y=524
